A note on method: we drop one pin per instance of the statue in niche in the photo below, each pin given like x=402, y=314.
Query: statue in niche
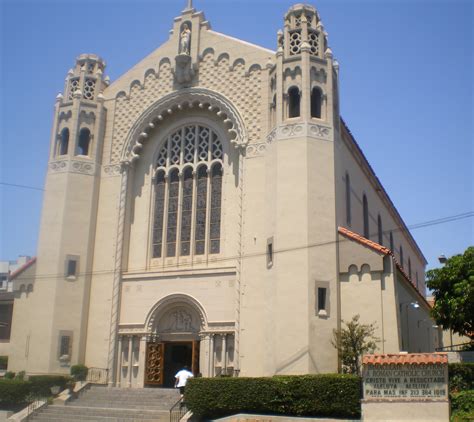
x=185, y=43
x=180, y=320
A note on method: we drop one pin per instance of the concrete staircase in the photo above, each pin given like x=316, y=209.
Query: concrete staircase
x=103, y=404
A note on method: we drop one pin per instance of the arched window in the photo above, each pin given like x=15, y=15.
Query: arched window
x=215, y=221
x=159, y=211
x=391, y=242
x=294, y=99
x=366, y=216
x=348, y=200
x=201, y=202
x=172, y=218
x=401, y=256
x=187, y=215
x=187, y=211
x=64, y=141
x=379, y=229
x=316, y=102
x=84, y=142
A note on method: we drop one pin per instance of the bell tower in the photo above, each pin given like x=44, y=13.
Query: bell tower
x=301, y=194
x=66, y=239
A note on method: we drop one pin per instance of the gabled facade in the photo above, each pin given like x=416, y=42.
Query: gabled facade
x=193, y=212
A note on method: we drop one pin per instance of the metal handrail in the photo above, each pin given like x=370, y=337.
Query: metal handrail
x=34, y=403
x=178, y=410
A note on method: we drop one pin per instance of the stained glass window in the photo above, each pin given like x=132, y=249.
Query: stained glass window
x=159, y=209
x=181, y=207
x=186, y=213
x=172, y=226
x=215, y=221
x=201, y=199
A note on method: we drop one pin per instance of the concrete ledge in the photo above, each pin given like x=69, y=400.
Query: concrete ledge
x=243, y=417
x=405, y=411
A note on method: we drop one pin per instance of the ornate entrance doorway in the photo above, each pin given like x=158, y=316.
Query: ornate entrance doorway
x=173, y=328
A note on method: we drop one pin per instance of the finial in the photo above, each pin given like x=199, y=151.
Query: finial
x=190, y=5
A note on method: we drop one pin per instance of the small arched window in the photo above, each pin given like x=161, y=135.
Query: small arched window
x=391, y=242
x=64, y=141
x=316, y=102
x=379, y=229
x=294, y=99
x=84, y=142
x=348, y=200
x=401, y=256
x=366, y=216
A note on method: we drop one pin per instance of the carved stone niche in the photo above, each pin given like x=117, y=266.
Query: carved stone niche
x=184, y=70
x=179, y=319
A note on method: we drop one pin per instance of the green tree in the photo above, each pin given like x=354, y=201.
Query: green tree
x=453, y=291
x=353, y=341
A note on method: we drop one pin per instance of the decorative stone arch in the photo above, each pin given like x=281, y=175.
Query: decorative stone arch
x=175, y=301
x=176, y=102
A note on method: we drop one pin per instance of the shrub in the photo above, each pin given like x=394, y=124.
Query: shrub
x=307, y=395
x=461, y=377
x=13, y=393
x=9, y=375
x=20, y=376
x=41, y=384
x=79, y=372
x=462, y=404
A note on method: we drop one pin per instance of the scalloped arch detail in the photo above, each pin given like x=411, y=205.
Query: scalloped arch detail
x=170, y=300
x=177, y=102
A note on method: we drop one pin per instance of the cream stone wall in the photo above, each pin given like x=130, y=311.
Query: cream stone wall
x=363, y=181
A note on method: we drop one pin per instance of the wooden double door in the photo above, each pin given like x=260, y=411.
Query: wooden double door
x=164, y=360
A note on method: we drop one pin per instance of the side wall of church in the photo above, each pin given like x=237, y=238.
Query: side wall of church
x=360, y=184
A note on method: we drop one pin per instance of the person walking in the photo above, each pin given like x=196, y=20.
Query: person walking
x=182, y=377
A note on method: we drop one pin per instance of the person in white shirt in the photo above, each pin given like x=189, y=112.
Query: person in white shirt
x=182, y=377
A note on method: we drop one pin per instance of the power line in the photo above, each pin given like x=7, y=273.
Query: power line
x=178, y=267
x=21, y=186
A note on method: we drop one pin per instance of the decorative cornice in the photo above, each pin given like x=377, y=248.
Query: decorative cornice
x=256, y=150
x=82, y=167
x=111, y=170
x=303, y=129
x=174, y=103
x=58, y=166
x=65, y=166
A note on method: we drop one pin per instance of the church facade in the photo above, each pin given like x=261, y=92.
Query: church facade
x=211, y=208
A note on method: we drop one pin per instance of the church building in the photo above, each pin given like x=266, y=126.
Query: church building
x=211, y=208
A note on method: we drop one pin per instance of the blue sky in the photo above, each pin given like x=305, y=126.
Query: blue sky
x=406, y=81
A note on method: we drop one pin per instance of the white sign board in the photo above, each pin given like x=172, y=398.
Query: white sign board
x=405, y=381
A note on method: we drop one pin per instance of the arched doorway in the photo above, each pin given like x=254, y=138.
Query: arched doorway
x=173, y=341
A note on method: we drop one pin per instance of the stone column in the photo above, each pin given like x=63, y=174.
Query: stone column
x=130, y=361
x=116, y=290
x=224, y=353
x=204, y=354
x=141, y=361
x=211, y=355
x=305, y=71
x=120, y=358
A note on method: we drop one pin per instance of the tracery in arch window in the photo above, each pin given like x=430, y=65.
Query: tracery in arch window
x=188, y=193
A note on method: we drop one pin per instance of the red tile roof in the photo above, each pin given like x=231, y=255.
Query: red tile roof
x=23, y=268
x=406, y=358
x=364, y=241
x=383, y=250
